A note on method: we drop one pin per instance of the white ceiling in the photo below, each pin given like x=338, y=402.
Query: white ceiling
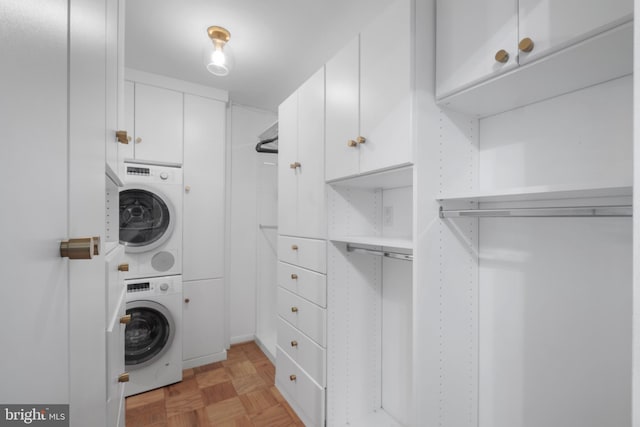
x=276, y=44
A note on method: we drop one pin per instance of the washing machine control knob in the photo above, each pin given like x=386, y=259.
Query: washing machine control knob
x=164, y=287
x=164, y=176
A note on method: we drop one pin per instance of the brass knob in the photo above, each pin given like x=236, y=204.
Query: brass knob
x=187, y=300
x=292, y=377
x=294, y=309
x=187, y=188
x=352, y=143
x=121, y=137
x=82, y=248
x=138, y=140
x=123, y=378
x=294, y=247
x=526, y=45
x=126, y=319
x=295, y=165
x=294, y=343
x=361, y=140
x=129, y=139
x=502, y=56
x=294, y=276
x=123, y=267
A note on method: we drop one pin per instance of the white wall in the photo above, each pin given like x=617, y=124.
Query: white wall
x=246, y=124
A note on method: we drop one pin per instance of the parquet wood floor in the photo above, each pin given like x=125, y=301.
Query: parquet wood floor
x=237, y=392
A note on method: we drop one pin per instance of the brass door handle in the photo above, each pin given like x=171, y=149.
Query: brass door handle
x=526, y=45
x=126, y=319
x=121, y=137
x=294, y=343
x=292, y=377
x=123, y=267
x=294, y=247
x=294, y=276
x=502, y=56
x=81, y=248
x=294, y=309
x=123, y=378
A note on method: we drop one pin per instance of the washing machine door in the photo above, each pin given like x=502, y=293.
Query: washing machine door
x=149, y=333
x=147, y=219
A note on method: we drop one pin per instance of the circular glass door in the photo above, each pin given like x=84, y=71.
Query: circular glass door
x=149, y=333
x=146, y=219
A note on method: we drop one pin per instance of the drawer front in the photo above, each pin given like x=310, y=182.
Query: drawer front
x=304, y=315
x=306, y=353
x=307, y=253
x=301, y=391
x=306, y=283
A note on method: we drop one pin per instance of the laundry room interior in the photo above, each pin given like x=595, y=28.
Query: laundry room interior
x=413, y=213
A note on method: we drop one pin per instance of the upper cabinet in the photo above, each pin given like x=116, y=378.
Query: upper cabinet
x=154, y=123
x=302, y=196
x=495, y=55
x=369, y=97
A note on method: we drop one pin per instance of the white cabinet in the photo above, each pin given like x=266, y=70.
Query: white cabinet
x=301, y=193
x=478, y=41
x=369, y=97
x=203, y=322
x=204, y=178
x=156, y=116
x=114, y=80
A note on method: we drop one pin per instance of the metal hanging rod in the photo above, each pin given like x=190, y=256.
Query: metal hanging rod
x=577, y=211
x=388, y=254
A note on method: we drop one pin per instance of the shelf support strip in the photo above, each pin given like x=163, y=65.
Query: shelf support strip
x=574, y=211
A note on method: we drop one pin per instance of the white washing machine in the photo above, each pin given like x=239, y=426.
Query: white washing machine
x=151, y=219
x=153, y=337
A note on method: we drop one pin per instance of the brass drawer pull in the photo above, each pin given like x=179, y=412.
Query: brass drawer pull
x=126, y=319
x=502, y=56
x=526, y=45
x=292, y=377
x=361, y=140
x=121, y=137
x=294, y=309
x=294, y=343
x=123, y=378
x=123, y=267
x=294, y=276
x=294, y=247
x=352, y=143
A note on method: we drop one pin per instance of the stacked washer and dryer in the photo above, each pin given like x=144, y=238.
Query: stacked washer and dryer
x=151, y=231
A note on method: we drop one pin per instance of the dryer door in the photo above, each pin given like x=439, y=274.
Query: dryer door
x=149, y=334
x=147, y=219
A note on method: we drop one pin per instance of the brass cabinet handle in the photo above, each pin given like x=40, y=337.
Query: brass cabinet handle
x=121, y=137
x=294, y=343
x=138, y=140
x=502, y=56
x=187, y=300
x=352, y=143
x=123, y=378
x=292, y=377
x=361, y=140
x=294, y=309
x=294, y=247
x=526, y=45
x=81, y=248
x=295, y=165
x=126, y=319
x=123, y=267
x=294, y=276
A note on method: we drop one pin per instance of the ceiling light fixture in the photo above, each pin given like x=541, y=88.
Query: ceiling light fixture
x=218, y=62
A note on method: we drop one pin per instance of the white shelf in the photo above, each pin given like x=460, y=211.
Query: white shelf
x=391, y=178
x=390, y=242
x=540, y=193
x=604, y=57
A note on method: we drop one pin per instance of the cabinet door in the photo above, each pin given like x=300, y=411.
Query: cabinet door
x=386, y=89
x=204, y=173
x=126, y=151
x=287, y=155
x=111, y=81
x=342, y=112
x=202, y=318
x=468, y=35
x=311, y=209
x=158, y=116
x=553, y=25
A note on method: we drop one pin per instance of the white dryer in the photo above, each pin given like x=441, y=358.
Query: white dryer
x=153, y=337
x=151, y=219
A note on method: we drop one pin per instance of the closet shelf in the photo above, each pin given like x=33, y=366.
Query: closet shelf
x=391, y=178
x=540, y=193
x=390, y=242
x=573, y=211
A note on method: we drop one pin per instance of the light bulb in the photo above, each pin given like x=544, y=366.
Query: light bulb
x=217, y=57
x=218, y=63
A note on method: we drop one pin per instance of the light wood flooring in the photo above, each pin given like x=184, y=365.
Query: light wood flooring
x=238, y=392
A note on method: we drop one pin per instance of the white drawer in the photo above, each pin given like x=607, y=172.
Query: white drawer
x=307, y=253
x=306, y=353
x=306, y=283
x=304, y=315
x=302, y=393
